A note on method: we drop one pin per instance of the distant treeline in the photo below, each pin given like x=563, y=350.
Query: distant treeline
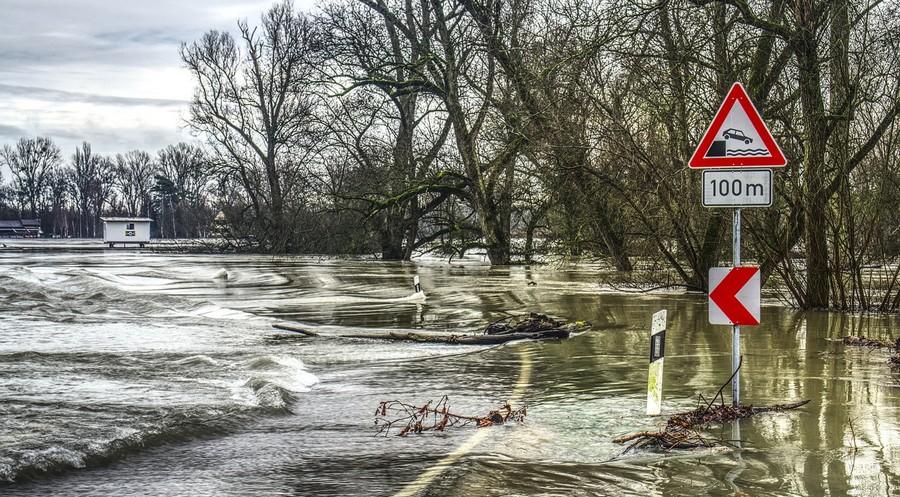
x=69, y=196
x=557, y=127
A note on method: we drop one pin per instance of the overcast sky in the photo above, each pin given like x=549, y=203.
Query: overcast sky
x=105, y=71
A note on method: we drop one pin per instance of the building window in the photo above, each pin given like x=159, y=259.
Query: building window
x=130, y=227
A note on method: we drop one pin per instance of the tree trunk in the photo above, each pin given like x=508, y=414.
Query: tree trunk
x=839, y=108
x=278, y=229
x=495, y=229
x=614, y=242
x=816, y=142
x=391, y=235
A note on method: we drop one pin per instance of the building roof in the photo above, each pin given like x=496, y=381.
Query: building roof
x=127, y=219
x=20, y=223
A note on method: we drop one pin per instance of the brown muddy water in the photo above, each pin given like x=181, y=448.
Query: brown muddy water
x=127, y=373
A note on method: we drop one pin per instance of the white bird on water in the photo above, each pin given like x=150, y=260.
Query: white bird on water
x=221, y=275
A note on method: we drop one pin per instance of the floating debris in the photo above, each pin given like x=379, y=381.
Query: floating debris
x=683, y=430
x=860, y=341
x=533, y=327
x=437, y=417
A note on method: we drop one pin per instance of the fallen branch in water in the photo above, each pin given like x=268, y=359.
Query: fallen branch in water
x=682, y=430
x=533, y=327
x=703, y=417
x=436, y=417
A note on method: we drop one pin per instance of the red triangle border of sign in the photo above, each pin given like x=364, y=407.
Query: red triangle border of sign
x=737, y=94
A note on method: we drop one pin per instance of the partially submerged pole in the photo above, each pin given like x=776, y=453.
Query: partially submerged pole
x=736, y=329
x=657, y=358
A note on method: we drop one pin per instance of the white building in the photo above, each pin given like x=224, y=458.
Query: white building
x=126, y=230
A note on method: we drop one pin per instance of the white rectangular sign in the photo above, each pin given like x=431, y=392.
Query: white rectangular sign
x=737, y=188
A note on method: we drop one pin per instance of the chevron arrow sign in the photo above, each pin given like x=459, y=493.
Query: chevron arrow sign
x=734, y=295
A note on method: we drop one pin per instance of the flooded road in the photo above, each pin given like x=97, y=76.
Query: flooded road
x=152, y=374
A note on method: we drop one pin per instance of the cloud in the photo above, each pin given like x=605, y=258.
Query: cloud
x=108, y=72
x=15, y=132
x=47, y=94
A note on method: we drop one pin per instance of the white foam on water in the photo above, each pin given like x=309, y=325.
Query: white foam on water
x=294, y=375
x=271, y=381
x=199, y=359
x=415, y=297
x=217, y=312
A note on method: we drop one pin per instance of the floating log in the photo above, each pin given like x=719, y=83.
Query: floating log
x=295, y=329
x=533, y=327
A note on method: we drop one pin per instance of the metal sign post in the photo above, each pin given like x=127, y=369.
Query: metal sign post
x=732, y=151
x=736, y=329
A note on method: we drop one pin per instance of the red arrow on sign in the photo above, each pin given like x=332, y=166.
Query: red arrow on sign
x=732, y=295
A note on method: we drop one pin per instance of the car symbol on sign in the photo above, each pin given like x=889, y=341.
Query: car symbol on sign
x=737, y=135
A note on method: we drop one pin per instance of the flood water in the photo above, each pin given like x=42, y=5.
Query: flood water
x=127, y=373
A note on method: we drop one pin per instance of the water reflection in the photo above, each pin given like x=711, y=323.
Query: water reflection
x=130, y=330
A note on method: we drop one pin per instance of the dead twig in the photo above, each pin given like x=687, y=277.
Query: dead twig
x=436, y=417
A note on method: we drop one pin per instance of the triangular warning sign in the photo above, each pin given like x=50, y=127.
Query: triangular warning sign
x=737, y=137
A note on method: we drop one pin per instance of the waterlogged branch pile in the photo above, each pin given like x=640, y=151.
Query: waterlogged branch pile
x=683, y=430
x=859, y=341
x=533, y=327
x=436, y=417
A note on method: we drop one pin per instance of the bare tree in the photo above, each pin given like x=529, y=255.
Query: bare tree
x=30, y=162
x=253, y=103
x=87, y=181
x=181, y=185
x=135, y=171
x=102, y=191
x=818, y=36
x=392, y=127
x=58, y=195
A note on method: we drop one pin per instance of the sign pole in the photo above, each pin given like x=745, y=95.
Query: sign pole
x=732, y=151
x=736, y=329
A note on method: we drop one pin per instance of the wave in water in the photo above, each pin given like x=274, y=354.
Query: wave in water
x=274, y=381
x=259, y=386
x=32, y=463
x=84, y=295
